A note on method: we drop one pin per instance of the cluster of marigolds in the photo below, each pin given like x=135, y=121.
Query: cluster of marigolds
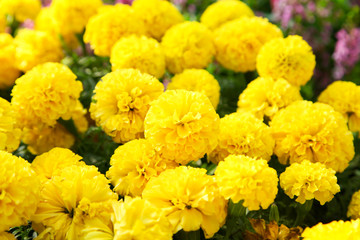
x=161, y=131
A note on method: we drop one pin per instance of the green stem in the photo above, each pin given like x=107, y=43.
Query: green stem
x=80, y=38
x=302, y=210
x=236, y=211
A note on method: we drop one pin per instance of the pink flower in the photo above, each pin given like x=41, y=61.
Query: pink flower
x=347, y=51
x=129, y=2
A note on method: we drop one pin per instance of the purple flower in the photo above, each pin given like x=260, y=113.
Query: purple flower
x=129, y=2
x=347, y=51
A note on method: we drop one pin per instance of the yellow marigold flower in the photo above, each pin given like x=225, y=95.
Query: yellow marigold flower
x=182, y=125
x=46, y=93
x=197, y=80
x=43, y=139
x=221, y=12
x=244, y=178
x=344, y=97
x=7, y=236
x=8, y=71
x=348, y=230
x=354, y=206
x=121, y=101
x=134, y=218
x=108, y=26
x=132, y=166
x=2, y=23
x=36, y=47
x=21, y=9
x=243, y=134
x=314, y=132
x=138, y=52
x=72, y=16
x=290, y=58
x=265, y=96
x=45, y=22
x=308, y=180
x=19, y=191
x=187, y=45
x=158, y=16
x=51, y=163
x=190, y=199
x=67, y=200
x=10, y=133
x=238, y=42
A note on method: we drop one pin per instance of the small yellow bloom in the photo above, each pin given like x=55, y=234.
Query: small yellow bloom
x=8, y=70
x=51, y=163
x=138, y=52
x=19, y=191
x=264, y=97
x=348, y=230
x=344, y=97
x=72, y=16
x=10, y=133
x=221, y=12
x=290, y=58
x=197, y=80
x=248, y=179
x=157, y=15
x=133, y=165
x=121, y=101
x=109, y=25
x=314, y=132
x=187, y=45
x=238, y=42
x=182, y=125
x=70, y=198
x=308, y=180
x=45, y=94
x=354, y=206
x=36, y=47
x=21, y=9
x=243, y=134
x=189, y=198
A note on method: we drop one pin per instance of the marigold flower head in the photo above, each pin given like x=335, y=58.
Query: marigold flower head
x=187, y=45
x=308, y=180
x=51, y=163
x=72, y=16
x=243, y=134
x=19, y=191
x=197, y=80
x=46, y=22
x=10, y=133
x=265, y=96
x=290, y=58
x=8, y=71
x=314, y=132
x=133, y=165
x=244, y=178
x=133, y=218
x=344, y=97
x=189, y=198
x=2, y=23
x=36, y=47
x=348, y=230
x=221, y=12
x=21, y=9
x=43, y=139
x=354, y=206
x=121, y=101
x=46, y=93
x=238, y=42
x=67, y=200
x=138, y=52
x=182, y=125
x=157, y=15
x=109, y=25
